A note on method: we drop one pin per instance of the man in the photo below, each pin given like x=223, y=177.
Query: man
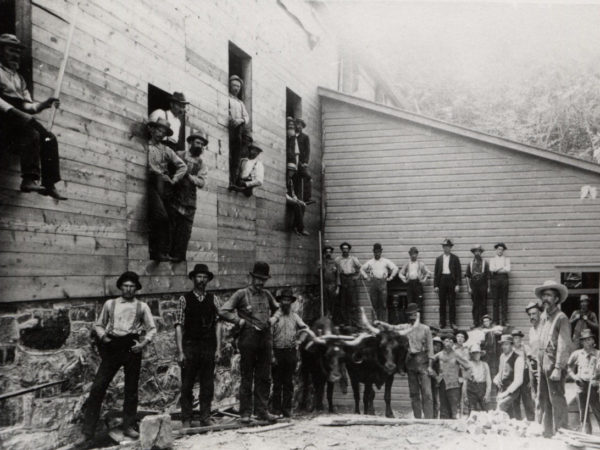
x=524, y=396
x=119, y=334
x=555, y=344
x=198, y=339
x=491, y=345
x=184, y=199
x=534, y=311
x=239, y=121
x=251, y=172
x=301, y=153
x=161, y=160
x=296, y=205
x=36, y=146
x=348, y=273
x=509, y=378
x=446, y=282
x=379, y=271
x=479, y=382
x=500, y=268
x=582, y=369
x=477, y=275
x=175, y=115
x=254, y=306
x=285, y=324
x=449, y=387
x=438, y=346
x=330, y=284
x=414, y=273
x=583, y=319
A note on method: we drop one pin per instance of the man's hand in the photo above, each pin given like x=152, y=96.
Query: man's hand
x=556, y=374
x=431, y=372
x=49, y=102
x=469, y=290
x=138, y=347
x=273, y=361
x=436, y=290
x=218, y=354
x=501, y=395
x=106, y=339
x=575, y=316
x=487, y=397
x=498, y=383
x=241, y=323
x=166, y=178
x=181, y=359
x=456, y=289
x=337, y=290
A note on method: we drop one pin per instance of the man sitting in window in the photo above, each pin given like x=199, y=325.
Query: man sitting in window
x=238, y=123
x=297, y=206
x=251, y=172
x=36, y=146
x=175, y=116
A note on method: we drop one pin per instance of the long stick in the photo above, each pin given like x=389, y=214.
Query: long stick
x=30, y=389
x=368, y=296
x=63, y=65
x=321, y=274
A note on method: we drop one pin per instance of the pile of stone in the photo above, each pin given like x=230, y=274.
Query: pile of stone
x=499, y=423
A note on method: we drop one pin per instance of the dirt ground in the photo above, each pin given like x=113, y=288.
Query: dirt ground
x=307, y=433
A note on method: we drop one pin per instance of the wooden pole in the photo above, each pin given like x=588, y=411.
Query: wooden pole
x=321, y=274
x=63, y=65
x=587, y=404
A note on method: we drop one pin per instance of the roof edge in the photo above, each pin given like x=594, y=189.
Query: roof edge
x=461, y=131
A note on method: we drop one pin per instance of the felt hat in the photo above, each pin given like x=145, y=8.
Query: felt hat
x=413, y=250
x=506, y=338
x=412, y=308
x=255, y=146
x=179, y=98
x=290, y=119
x=201, y=268
x=477, y=247
x=10, y=39
x=300, y=120
x=198, y=135
x=532, y=305
x=586, y=333
x=286, y=294
x=517, y=333
x=476, y=348
x=562, y=290
x=162, y=123
x=129, y=276
x=485, y=316
x=328, y=247
x=377, y=246
x=501, y=244
x=438, y=340
x=261, y=270
x=291, y=166
x=584, y=298
x=236, y=78
x=447, y=243
x=345, y=243
x=464, y=333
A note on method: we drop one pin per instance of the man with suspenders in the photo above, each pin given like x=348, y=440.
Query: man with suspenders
x=119, y=335
x=478, y=275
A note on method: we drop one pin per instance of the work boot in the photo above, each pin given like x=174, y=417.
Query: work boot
x=187, y=423
x=266, y=416
x=131, y=433
x=30, y=185
x=245, y=419
x=52, y=192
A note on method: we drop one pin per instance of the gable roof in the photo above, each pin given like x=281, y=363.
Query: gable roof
x=469, y=133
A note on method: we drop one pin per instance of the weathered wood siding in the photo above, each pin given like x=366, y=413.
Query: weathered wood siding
x=395, y=182
x=77, y=248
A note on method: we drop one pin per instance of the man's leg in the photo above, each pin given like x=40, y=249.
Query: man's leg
x=108, y=368
x=452, y=304
x=262, y=373
x=49, y=159
x=188, y=377
x=445, y=409
x=507, y=404
x=426, y=395
x=207, y=385
x=131, y=367
x=453, y=399
x=415, y=393
x=558, y=401
x=581, y=401
x=354, y=311
x=594, y=404
x=289, y=368
x=159, y=226
x=504, y=299
x=545, y=404
x=247, y=345
x=383, y=298
x=181, y=233
x=495, y=300
x=528, y=403
x=277, y=375
x=443, y=300
x=435, y=397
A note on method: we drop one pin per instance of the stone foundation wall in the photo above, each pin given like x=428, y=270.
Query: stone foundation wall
x=49, y=341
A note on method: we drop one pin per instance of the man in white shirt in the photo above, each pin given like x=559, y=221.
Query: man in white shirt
x=510, y=376
x=251, y=173
x=414, y=273
x=379, y=271
x=239, y=122
x=175, y=116
x=499, y=269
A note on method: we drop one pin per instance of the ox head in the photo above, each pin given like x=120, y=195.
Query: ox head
x=392, y=351
x=328, y=347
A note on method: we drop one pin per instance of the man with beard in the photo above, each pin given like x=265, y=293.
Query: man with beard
x=36, y=146
x=175, y=115
x=348, y=273
x=583, y=319
x=198, y=339
x=184, y=198
x=330, y=284
x=477, y=275
x=555, y=345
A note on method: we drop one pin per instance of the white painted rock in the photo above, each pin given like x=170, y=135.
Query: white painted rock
x=156, y=432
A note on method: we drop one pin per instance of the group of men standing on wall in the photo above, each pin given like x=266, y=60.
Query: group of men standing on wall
x=344, y=276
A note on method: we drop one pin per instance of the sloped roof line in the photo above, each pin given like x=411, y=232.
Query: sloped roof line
x=461, y=131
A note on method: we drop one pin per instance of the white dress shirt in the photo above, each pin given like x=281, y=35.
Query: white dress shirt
x=446, y=265
x=500, y=264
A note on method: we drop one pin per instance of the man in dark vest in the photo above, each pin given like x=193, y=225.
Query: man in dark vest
x=298, y=152
x=198, y=337
x=120, y=343
x=509, y=378
x=254, y=306
x=478, y=275
x=446, y=282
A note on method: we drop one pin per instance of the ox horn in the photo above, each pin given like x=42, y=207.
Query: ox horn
x=357, y=341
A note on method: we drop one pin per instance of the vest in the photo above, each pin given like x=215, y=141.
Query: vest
x=200, y=322
x=508, y=374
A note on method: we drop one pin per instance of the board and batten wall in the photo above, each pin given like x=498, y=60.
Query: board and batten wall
x=77, y=248
x=400, y=183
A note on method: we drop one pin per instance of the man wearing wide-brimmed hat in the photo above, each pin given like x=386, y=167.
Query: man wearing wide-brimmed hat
x=251, y=172
x=582, y=319
x=414, y=274
x=555, y=346
x=119, y=332
x=348, y=273
x=184, y=195
x=239, y=122
x=446, y=281
x=175, y=115
x=500, y=270
x=509, y=378
x=254, y=306
x=477, y=276
x=23, y=134
x=583, y=369
x=165, y=169
x=198, y=339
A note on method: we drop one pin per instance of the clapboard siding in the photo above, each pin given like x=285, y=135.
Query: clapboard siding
x=402, y=183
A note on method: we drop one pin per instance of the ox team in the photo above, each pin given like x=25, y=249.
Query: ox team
x=450, y=371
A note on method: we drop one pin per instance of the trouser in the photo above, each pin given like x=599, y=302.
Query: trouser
x=525, y=398
x=283, y=380
x=159, y=224
x=329, y=299
x=348, y=300
x=479, y=299
x=255, y=367
x=199, y=365
x=419, y=385
x=235, y=152
x=181, y=227
x=303, y=183
x=298, y=214
x=114, y=355
x=510, y=404
x=414, y=293
x=533, y=384
x=378, y=294
x=435, y=398
x=551, y=398
x=449, y=401
x=476, y=396
x=499, y=292
x=36, y=147
x=593, y=407
x=447, y=296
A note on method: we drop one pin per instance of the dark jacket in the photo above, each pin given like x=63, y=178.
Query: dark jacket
x=303, y=147
x=455, y=269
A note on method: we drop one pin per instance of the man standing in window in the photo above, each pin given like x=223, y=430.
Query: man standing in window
x=379, y=271
x=36, y=146
x=302, y=148
x=500, y=268
x=175, y=115
x=446, y=282
x=239, y=120
x=477, y=275
x=296, y=205
x=348, y=273
x=251, y=172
